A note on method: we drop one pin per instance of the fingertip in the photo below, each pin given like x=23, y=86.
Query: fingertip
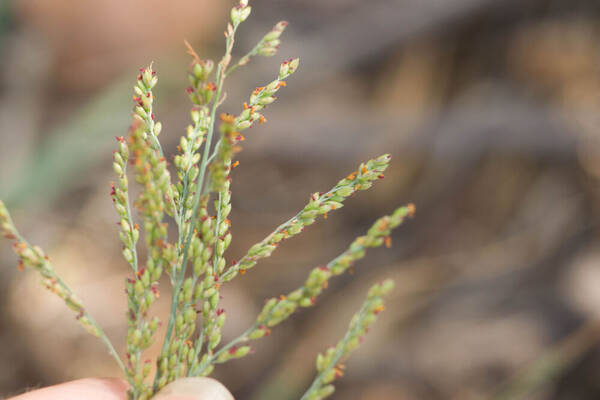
x=112, y=387
x=199, y=388
x=88, y=388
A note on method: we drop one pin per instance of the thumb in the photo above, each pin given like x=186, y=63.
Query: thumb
x=194, y=389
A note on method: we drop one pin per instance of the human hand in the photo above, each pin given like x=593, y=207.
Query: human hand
x=116, y=389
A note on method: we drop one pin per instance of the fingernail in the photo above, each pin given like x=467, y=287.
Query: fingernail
x=194, y=389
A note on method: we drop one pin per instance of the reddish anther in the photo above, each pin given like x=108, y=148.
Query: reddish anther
x=141, y=271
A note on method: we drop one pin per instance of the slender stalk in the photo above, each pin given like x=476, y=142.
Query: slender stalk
x=130, y=220
x=109, y=345
x=101, y=334
x=211, y=360
x=198, y=348
x=241, y=62
x=217, y=225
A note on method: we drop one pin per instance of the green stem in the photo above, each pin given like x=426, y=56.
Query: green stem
x=198, y=348
x=210, y=360
x=108, y=344
x=215, y=255
x=251, y=53
x=240, y=339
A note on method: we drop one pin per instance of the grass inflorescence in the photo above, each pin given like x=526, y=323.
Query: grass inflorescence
x=195, y=259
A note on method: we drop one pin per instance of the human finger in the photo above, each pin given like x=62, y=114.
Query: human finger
x=89, y=389
x=194, y=389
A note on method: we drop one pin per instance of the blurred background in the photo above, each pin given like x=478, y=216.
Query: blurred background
x=490, y=108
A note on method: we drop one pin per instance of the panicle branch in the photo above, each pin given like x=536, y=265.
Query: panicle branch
x=319, y=204
x=144, y=114
x=35, y=258
x=142, y=289
x=330, y=364
x=266, y=47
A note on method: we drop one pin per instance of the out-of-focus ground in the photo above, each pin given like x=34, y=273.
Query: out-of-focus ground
x=490, y=109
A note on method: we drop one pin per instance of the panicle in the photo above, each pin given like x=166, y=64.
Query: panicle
x=195, y=260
